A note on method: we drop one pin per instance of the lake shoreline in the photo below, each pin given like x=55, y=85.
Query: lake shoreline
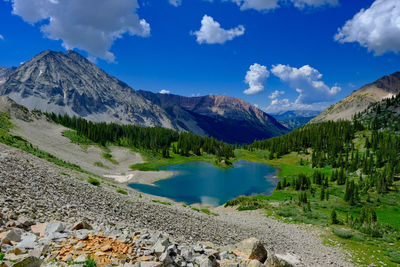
x=140, y=177
x=203, y=184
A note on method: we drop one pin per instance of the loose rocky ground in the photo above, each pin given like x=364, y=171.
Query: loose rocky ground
x=55, y=244
x=34, y=189
x=47, y=136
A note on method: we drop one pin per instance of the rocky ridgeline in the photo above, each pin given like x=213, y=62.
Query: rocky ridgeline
x=24, y=243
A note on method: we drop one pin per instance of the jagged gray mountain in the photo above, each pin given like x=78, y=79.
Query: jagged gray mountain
x=5, y=73
x=230, y=119
x=360, y=99
x=67, y=83
x=293, y=119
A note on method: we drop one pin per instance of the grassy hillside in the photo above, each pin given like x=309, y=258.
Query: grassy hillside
x=342, y=176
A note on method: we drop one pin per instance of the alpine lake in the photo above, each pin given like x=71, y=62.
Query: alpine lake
x=203, y=183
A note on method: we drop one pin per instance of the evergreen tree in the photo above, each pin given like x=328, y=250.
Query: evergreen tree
x=322, y=196
x=334, y=219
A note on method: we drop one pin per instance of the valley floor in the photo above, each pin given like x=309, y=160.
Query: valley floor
x=39, y=189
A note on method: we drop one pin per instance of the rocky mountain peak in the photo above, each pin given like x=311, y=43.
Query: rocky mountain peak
x=389, y=83
x=69, y=83
x=360, y=99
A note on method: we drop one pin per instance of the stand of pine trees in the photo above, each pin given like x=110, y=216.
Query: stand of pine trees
x=155, y=139
x=332, y=144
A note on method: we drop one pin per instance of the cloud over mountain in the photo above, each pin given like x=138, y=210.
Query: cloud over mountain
x=163, y=91
x=256, y=77
x=89, y=25
x=307, y=82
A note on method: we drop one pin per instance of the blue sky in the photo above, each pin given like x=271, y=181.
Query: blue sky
x=176, y=48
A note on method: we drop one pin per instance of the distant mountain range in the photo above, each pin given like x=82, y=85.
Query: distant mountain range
x=225, y=118
x=293, y=119
x=362, y=98
x=69, y=83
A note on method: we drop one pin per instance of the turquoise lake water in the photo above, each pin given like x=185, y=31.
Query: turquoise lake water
x=201, y=182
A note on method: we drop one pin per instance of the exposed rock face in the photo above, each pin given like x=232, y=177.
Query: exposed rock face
x=226, y=118
x=360, y=99
x=69, y=83
x=5, y=73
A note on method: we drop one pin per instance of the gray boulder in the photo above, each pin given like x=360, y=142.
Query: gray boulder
x=251, y=249
x=165, y=258
x=81, y=258
x=28, y=241
x=11, y=236
x=54, y=227
x=28, y=262
x=160, y=246
x=82, y=225
x=149, y=264
x=207, y=261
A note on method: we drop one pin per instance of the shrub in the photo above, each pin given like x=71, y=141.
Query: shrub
x=122, y=191
x=394, y=256
x=286, y=212
x=342, y=233
x=246, y=203
x=206, y=211
x=101, y=165
x=161, y=202
x=93, y=181
x=90, y=263
x=108, y=156
x=2, y=255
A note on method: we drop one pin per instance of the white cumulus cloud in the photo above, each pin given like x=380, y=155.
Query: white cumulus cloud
x=256, y=77
x=211, y=32
x=279, y=105
x=266, y=5
x=259, y=5
x=163, y=91
x=307, y=82
x=1, y=37
x=275, y=94
x=175, y=3
x=301, y=4
x=376, y=28
x=90, y=25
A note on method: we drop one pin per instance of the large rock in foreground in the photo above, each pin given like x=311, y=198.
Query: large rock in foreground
x=252, y=249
